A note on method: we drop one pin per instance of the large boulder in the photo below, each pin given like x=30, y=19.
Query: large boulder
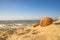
x=46, y=21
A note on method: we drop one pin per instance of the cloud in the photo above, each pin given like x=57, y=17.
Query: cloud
x=16, y=18
x=10, y=18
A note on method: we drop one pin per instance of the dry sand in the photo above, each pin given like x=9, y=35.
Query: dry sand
x=50, y=32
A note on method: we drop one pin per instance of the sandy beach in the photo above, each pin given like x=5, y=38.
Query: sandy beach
x=29, y=19
x=50, y=32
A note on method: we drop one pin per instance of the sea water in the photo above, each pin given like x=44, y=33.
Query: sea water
x=19, y=21
x=23, y=23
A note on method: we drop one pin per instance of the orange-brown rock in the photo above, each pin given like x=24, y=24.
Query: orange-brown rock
x=46, y=21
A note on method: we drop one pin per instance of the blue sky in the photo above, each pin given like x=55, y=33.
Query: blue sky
x=28, y=9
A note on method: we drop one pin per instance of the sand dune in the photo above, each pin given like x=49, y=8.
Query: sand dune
x=50, y=32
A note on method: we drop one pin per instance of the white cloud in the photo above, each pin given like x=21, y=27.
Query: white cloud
x=10, y=18
x=16, y=18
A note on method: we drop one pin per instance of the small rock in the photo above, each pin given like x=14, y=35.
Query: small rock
x=34, y=25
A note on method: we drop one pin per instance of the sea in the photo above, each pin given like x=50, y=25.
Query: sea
x=19, y=21
x=29, y=23
x=23, y=22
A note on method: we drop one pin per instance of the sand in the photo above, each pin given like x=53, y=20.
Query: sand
x=50, y=32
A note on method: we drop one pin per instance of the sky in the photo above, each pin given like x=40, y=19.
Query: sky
x=29, y=9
